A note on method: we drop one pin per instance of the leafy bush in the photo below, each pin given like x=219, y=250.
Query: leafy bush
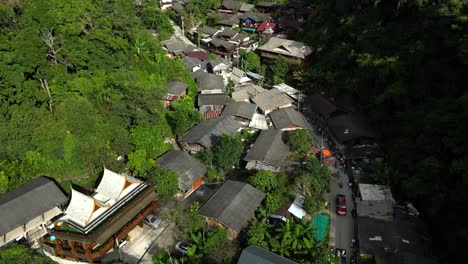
x=300, y=141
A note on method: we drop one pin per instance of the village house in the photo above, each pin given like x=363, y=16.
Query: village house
x=209, y=83
x=28, y=210
x=227, y=34
x=198, y=54
x=242, y=112
x=255, y=77
x=267, y=7
x=297, y=10
x=211, y=105
x=250, y=21
x=175, y=47
x=220, y=67
x=267, y=28
x=229, y=20
x=258, y=122
x=232, y=206
x=350, y=130
x=207, y=32
x=94, y=223
x=246, y=91
x=189, y=170
x=193, y=64
x=231, y=6
x=255, y=255
x=375, y=201
x=238, y=76
x=386, y=234
x=222, y=47
x=289, y=91
x=287, y=119
x=295, y=52
x=206, y=134
x=272, y=100
x=322, y=109
x=175, y=90
x=268, y=152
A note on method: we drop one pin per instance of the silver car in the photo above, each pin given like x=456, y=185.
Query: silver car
x=152, y=221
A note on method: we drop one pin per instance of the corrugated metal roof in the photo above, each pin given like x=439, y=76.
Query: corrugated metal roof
x=272, y=99
x=287, y=47
x=257, y=255
x=269, y=148
x=234, y=204
x=285, y=117
x=28, y=201
x=177, y=88
x=240, y=109
x=187, y=167
x=210, y=81
x=212, y=99
x=208, y=131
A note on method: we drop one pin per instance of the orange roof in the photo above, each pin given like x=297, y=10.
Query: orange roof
x=326, y=153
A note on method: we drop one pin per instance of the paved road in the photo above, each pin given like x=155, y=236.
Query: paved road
x=341, y=226
x=178, y=34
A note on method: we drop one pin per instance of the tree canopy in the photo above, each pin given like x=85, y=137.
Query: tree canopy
x=81, y=83
x=300, y=141
x=404, y=63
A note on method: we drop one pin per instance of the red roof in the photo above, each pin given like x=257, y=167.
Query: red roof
x=201, y=55
x=264, y=25
x=212, y=114
x=169, y=97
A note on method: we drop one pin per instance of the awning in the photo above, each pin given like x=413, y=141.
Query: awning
x=326, y=153
x=248, y=29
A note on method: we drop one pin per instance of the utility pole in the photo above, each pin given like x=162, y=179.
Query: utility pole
x=299, y=102
x=183, y=33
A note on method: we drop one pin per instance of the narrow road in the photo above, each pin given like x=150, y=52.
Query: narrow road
x=341, y=226
x=178, y=34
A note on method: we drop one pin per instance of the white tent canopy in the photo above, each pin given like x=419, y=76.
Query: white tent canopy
x=81, y=208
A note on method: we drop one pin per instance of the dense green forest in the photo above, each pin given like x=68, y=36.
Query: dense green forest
x=405, y=64
x=80, y=85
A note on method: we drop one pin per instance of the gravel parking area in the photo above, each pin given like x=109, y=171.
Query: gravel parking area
x=145, y=242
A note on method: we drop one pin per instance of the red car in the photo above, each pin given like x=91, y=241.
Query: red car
x=341, y=204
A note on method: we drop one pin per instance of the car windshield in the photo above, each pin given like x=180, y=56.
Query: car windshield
x=184, y=245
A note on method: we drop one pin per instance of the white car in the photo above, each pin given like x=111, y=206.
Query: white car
x=276, y=219
x=152, y=221
x=182, y=246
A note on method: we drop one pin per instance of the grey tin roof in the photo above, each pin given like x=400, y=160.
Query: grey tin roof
x=269, y=148
x=285, y=117
x=257, y=255
x=177, y=88
x=208, y=131
x=233, y=205
x=272, y=99
x=240, y=109
x=188, y=168
x=28, y=201
x=212, y=99
x=210, y=81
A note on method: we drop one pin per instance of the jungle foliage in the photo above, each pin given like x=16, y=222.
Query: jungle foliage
x=80, y=85
x=404, y=63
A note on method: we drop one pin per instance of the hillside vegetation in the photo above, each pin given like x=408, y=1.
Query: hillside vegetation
x=80, y=85
x=404, y=63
